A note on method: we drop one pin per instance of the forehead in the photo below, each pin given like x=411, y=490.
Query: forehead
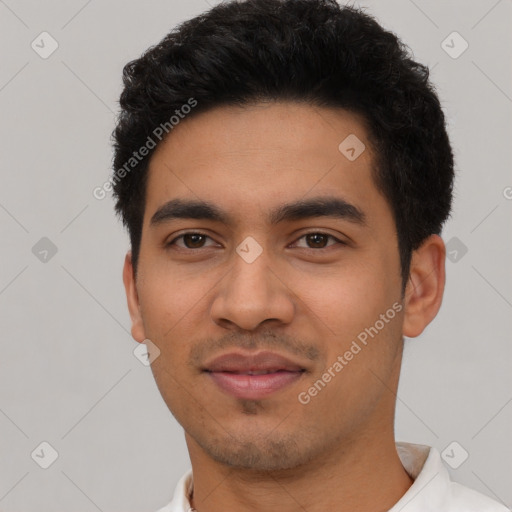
x=254, y=158
x=286, y=127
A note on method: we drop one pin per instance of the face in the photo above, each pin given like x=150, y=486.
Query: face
x=279, y=325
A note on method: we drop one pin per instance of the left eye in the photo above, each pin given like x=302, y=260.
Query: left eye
x=318, y=238
x=193, y=240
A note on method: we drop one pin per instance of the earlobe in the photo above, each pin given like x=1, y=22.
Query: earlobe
x=132, y=298
x=425, y=288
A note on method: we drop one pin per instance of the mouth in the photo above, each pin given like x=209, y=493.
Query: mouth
x=253, y=377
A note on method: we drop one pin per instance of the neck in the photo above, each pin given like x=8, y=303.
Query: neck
x=364, y=474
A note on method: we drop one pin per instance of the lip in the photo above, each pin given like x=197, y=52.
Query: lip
x=240, y=375
x=238, y=362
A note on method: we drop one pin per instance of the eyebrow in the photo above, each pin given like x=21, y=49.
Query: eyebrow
x=302, y=209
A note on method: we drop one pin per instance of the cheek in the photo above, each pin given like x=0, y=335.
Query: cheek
x=347, y=297
x=179, y=396
x=169, y=299
x=360, y=314
x=359, y=366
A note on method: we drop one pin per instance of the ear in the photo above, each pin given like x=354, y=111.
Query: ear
x=133, y=299
x=425, y=288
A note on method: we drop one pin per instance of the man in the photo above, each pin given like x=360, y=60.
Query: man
x=284, y=172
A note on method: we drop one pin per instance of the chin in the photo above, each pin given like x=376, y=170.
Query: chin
x=259, y=454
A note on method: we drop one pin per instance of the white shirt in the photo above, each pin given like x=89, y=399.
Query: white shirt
x=431, y=491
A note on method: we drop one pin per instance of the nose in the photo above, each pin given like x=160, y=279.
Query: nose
x=252, y=293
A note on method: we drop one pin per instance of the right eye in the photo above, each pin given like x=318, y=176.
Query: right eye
x=192, y=240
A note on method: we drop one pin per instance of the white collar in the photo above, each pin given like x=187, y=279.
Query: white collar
x=431, y=491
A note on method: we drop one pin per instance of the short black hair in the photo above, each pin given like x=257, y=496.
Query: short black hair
x=310, y=51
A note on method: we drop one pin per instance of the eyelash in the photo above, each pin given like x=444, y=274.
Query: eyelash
x=328, y=235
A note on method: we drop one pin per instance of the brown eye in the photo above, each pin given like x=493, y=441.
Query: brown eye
x=190, y=241
x=193, y=240
x=318, y=240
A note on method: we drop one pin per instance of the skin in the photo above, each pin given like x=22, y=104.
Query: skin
x=307, y=299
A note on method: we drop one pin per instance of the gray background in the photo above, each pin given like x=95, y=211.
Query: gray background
x=67, y=372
